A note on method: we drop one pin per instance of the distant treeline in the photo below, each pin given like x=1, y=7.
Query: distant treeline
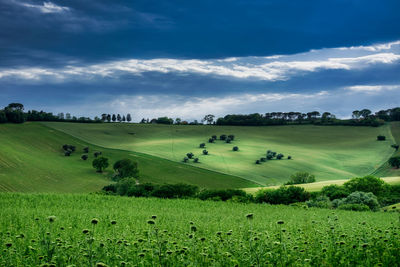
x=359, y=118
x=14, y=113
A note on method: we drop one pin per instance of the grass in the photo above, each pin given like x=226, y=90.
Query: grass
x=31, y=160
x=317, y=186
x=188, y=232
x=329, y=152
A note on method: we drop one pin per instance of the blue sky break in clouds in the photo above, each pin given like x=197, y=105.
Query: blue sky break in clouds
x=186, y=58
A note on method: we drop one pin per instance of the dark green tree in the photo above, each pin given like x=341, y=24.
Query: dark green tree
x=100, y=164
x=126, y=168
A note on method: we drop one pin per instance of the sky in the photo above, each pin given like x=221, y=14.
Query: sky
x=185, y=59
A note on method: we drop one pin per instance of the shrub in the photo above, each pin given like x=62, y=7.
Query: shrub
x=228, y=140
x=381, y=138
x=110, y=188
x=270, y=156
x=279, y=156
x=72, y=148
x=86, y=149
x=289, y=157
x=67, y=153
x=320, y=202
x=175, y=191
x=140, y=190
x=190, y=155
x=395, y=147
x=258, y=161
x=368, y=199
x=301, y=178
x=202, y=145
x=394, y=162
x=65, y=147
x=205, y=152
x=231, y=136
x=97, y=153
x=235, y=148
x=263, y=159
x=211, y=140
x=84, y=157
x=354, y=207
x=222, y=194
x=185, y=159
x=100, y=164
x=196, y=160
x=222, y=137
x=365, y=184
x=334, y=192
x=283, y=195
x=214, y=137
x=125, y=168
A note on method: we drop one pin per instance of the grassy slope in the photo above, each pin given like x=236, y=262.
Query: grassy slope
x=317, y=186
x=386, y=169
x=31, y=160
x=329, y=152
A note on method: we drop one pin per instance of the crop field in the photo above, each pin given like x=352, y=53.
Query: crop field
x=329, y=152
x=32, y=160
x=95, y=230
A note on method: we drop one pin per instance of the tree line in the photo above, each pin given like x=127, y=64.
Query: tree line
x=363, y=117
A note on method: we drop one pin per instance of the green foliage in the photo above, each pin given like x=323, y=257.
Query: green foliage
x=334, y=192
x=279, y=156
x=395, y=162
x=174, y=191
x=235, y=148
x=301, y=178
x=205, y=152
x=381, y=138
x=368, y=199
x=202, y=145
x=125, y=168
x=283, y=195
x=320, y=202
x=190, y=155
x=222, y=137
x=100, y=164
x=354, y=207
x=84, y=157
x=223, y=195
x=367, y=183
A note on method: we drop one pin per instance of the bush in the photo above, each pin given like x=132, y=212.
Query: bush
x=222, y=137
x=368, y=199
x=283, y=195
x=279, y=156
x=202, y=145
x=334, y=192
x=185, y=159
x=301, y=178
x=86, y=149
x=205, y=152
x=235, y=148
x=125, y=168
x=263, y=159
x=196, y=160
x=381, y=138
x=228, y=140
x=140, y=190
x=190, y=155
x=367, y=183
x=97, y=153
x=395, y=147
x=175, y=191
x=211, y=140
x=84, y=157
x=270, y=156
x=354, y=207
x=222, y=194
x=320, y=202
x=258, y=161
x=67, y=153
x=214, y=137
x=289, y=157
x=394, y=162
x=231, y=136
x=100, y=164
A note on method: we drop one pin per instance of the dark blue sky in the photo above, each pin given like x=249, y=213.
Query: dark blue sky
x=188, y=58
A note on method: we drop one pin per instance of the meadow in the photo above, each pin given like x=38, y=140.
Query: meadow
x=329, y=152
x=95, y=230
x=32, y=160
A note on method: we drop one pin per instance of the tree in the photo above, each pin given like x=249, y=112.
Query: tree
x=202, y=145
x=103, y=117
x=395, y=162
x=235, y=148
x=100, y=164
x=108, y=117
x=222, y=137
x=15, y=113
x=123, y=118
x=381, y=138
x=86, y=149
x=365, y=113
x=205, y=152
x=178, y=121
x=84, y=157
x=119, y=119
x=126, y=168
x=114, y=118
x=128, y=117
x=3, y=117
x=301, y=178
x=190, y=155
x=357, y=197
x=367, y=183
x=209, y=118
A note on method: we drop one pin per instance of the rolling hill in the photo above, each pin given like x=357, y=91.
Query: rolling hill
x=329, y=152
x=31, y=160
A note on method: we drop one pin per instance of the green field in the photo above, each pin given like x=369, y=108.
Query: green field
x=223, y=236
x=31, y=160
x=329, y=152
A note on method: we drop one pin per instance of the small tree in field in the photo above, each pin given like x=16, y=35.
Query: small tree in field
x=395, y=147
x=301, y=178
x=228, y=140
x=222, y=137
x=395, y=162
x=185, y=159
x=279, y=156
x=100, y=164
x=190, y=155
x=211, y=140
x=84, y=157
x=214, y=137
x=196, y=160
x=231, y=136
x=202, y=145
x=381, y=138
x=235, y=148
x=205, y=152
x=86, y=149
x=126, y=168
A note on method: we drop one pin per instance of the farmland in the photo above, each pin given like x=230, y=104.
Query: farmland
x=329, y=152
x=60, y=230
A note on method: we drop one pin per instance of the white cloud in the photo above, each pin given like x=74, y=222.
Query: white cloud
x=272, y=68
x=371, y=89
x=373, y=48
x=46, y=7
